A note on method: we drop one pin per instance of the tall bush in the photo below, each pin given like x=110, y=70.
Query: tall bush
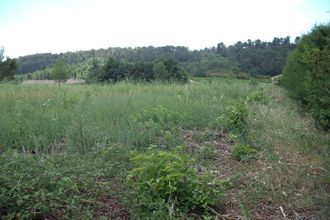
x=306, y=75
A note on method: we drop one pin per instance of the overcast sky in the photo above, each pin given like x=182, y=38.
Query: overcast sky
x=39, y=26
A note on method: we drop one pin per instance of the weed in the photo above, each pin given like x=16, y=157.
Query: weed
x=166, y=182
x=235, y=117
x=243, y=152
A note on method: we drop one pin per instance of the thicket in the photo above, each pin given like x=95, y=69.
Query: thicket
x=115, y=70
x=306, y=75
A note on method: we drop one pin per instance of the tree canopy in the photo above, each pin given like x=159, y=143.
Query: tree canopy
x=252, y=57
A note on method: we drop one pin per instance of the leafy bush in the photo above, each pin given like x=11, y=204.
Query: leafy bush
x=169, y=70
x=243, y=152
x=317, y=85
x=306, y=75
x=166, y=182
x=235, y=117
x=258, y=96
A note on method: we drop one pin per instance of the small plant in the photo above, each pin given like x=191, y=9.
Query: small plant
x=167, y=182
x=259, y=97
x=232, y=138
x=243, y=152
x=235, y=117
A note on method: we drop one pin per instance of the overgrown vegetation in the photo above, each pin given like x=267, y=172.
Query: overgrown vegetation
x=307, y=75
x=166, y=185
x=214, y=148
x=114, y=71
x=110, y=151
x=242, y=59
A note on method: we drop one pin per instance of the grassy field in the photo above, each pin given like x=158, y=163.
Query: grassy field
x=76, y=152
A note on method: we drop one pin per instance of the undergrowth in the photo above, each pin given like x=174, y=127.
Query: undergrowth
x=109, y=151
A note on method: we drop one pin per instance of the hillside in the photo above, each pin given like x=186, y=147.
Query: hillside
x=252, y=57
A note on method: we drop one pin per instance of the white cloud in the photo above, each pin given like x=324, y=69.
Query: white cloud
x=80, y=25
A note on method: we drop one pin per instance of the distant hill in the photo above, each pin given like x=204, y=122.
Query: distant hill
x=253, y=57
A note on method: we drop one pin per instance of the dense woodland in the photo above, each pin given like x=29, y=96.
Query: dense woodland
x=256, y=58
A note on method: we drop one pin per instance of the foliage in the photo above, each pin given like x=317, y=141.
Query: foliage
x=60, y=71
x=141, y=71
x=252, y=57
x=166, y=181
x=258, y=96
x=243, y=152
x=160, y=71
x=235, y=117
x=113, y=70
x=175, y=72
x=8, y=67
x=95, y=71
x=52, y=187
x=294, y=74
x=317, y=85
x=86, y=133
x=307, y=76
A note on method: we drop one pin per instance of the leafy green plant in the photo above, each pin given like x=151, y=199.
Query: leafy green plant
x=306, y=74
x=235, y=117
x=161, y=115
x=165, y=181
x=243, y=152
x=259, y=97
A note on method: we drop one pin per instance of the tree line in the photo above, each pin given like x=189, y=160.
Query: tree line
x=257, y=58
x=115, y=70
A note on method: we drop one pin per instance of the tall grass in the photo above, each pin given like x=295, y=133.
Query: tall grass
x=83, y=136
x=43, y=117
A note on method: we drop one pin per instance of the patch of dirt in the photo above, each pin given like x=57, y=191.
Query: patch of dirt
x=110, y=206
x=251, y=183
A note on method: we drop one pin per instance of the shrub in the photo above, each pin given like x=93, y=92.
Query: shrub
x=317, y=86
x=243, y=152
x=258, y=96
x=167, y=182
x=306, y=75
x=235, y=117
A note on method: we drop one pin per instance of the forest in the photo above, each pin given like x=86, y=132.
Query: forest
x=228, y=132
x=256, y=58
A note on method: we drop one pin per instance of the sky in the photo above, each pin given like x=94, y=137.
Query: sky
x=55, y=26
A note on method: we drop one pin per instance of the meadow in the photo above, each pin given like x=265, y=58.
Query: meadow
x=118, y=151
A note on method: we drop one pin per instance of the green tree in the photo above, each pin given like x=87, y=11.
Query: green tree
x=8, y=67
x=114, y=71
x=60, y=72
x=160, y=71
x=306, y=75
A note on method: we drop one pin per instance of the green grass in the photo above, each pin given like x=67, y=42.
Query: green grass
x=76, y=143
x=41, y=117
